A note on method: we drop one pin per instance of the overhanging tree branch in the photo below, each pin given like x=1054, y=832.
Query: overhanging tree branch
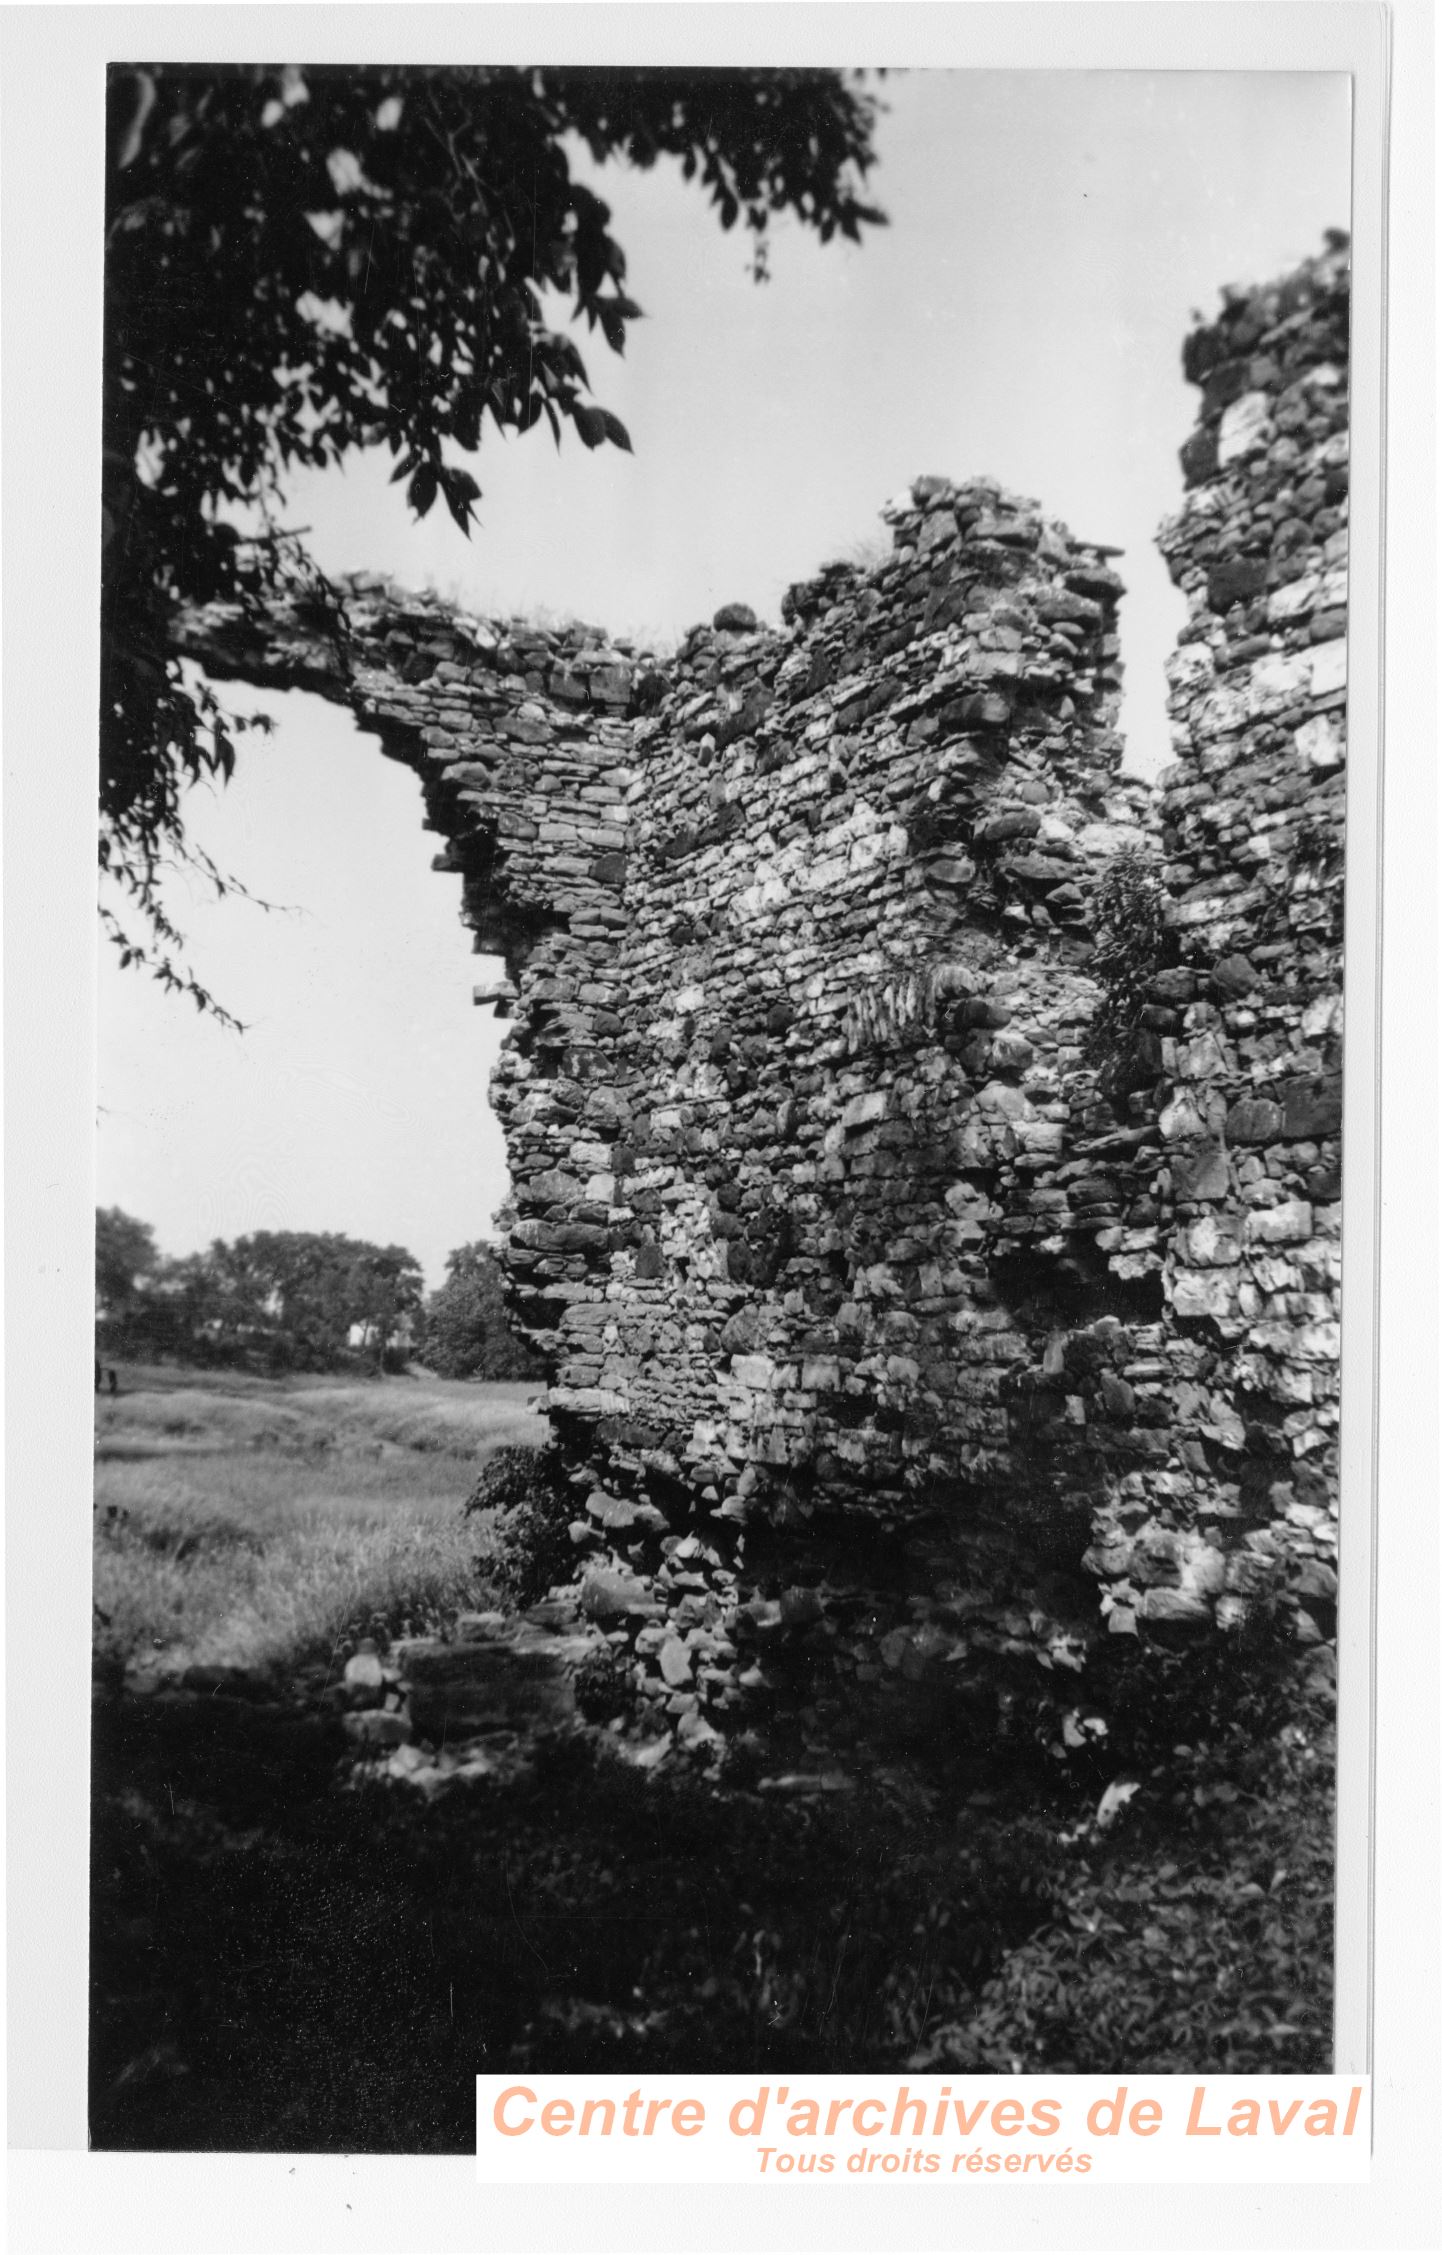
x=302, y=262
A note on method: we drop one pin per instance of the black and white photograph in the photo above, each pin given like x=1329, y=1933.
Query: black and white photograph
x=759, y=1492
x=723, y=849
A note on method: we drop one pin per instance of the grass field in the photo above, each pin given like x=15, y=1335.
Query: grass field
x=255, y=1523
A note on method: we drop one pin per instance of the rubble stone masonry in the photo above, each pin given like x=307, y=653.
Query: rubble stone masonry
x=887, y=1335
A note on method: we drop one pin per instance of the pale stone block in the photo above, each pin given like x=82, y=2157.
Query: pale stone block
x=1190, y=666
x=1246, y=428
x=1208, y=1292
x=1287, y=1224
x=756, y=1371
x=1321, y=742
x=1295, y=599
x=1213, y=1242
x=862, y=1110
x=1279, y=680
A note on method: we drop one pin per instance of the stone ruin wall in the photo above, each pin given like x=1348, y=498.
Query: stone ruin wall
x=883, y=1344
x=1253, y=822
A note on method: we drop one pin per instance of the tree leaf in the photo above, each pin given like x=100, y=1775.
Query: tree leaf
x=423, y=488
x=613, y=323
x=460, y=490
x=590, y=423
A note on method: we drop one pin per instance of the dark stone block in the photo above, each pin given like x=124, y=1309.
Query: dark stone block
x=1199, y=457
x=1097, y=581
x=1226, y=382
x=945, y=606
x=1200, y=1173
x=1202, y=351
x=1022, y=822
x=1254, y=1119
x=1173, y=986
x=502, y=1683
x=1311, y=1108
x=1234, y=975
x=1117, y=1396
x=1235, y=581
x=975, y=1010
x=649, y=691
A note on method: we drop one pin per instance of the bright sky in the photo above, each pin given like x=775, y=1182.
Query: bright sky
x=1022, y=318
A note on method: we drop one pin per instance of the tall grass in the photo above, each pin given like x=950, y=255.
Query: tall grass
x=262, y=1525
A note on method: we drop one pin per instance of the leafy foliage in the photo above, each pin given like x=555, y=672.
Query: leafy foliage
x=463, y=1331
x=126, y=1256
x=1191, y=1929
x=1130, y=937
x=301, y=262
x=588, y=1917
x=534, y=1503
x=1198, y=1939
x=286, y=1299
x=604, y=1691
x=1233, y=1689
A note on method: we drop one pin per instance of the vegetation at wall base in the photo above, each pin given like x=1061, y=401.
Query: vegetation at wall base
x=1199, y=1939
x=527, y=1495
x=277, y=1965
x=291, y=1954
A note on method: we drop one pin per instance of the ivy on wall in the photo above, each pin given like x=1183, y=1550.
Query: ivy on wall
x=1128, y=921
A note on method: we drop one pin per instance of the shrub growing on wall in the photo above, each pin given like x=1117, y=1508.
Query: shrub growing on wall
x=1130, y=938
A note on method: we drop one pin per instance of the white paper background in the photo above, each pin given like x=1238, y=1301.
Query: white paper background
x=53, y=63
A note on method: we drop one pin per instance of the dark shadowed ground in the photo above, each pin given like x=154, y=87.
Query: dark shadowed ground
x=293, y=1951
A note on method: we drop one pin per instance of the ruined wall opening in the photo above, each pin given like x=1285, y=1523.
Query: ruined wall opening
x=306, y=1119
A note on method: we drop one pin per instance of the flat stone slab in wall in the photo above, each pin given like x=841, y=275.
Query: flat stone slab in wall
x=506, y=1680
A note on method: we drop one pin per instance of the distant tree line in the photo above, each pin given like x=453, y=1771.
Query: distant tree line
x=299, y=1300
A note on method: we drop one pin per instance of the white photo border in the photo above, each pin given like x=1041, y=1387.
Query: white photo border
x=1389, y=2003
